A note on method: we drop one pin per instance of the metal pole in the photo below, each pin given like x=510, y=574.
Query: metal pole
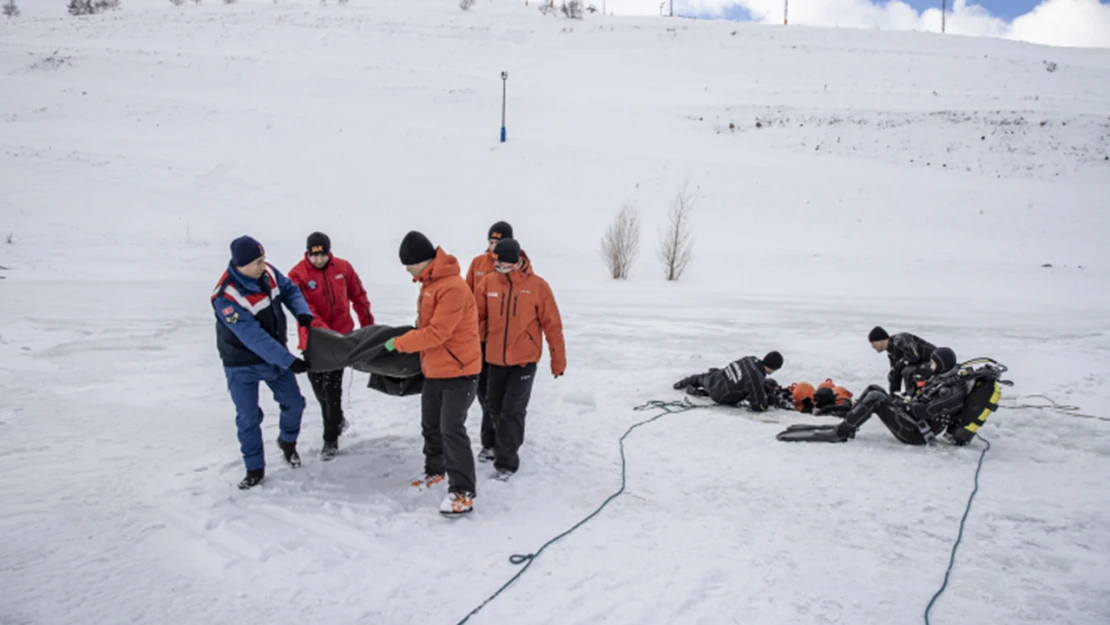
x=785, y=12
x=943, y=14
x=504, y=90
x=672, y=8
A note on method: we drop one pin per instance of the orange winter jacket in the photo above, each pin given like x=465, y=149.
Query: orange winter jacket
x=480, y=267
x=446, y=335
x=514, y=309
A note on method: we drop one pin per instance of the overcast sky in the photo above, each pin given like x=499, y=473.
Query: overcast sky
x=1053, y=22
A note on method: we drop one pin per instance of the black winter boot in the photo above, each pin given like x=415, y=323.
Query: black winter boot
x=290, y=450
x=330, y=450
x=254, y=478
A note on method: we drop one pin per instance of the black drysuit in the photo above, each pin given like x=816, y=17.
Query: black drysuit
x=905, y=351
x=742, y=380
x=954, y=402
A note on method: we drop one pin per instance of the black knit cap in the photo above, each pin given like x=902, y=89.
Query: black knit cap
x=773, y=361
x=500, y=230
x=945, y=359
x=507, y=251
x=416, y=248
x=318, y=243
x=877, y=334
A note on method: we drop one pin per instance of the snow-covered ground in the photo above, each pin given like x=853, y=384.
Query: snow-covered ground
x=845, y=179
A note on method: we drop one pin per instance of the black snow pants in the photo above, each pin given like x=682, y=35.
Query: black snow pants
x=444, y=404
x=328, y=387
x=489, y=439
x=510, y=389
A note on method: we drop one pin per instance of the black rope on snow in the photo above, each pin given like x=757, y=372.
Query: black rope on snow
x=960, y=536
x=666, y=408
x=1065, y=409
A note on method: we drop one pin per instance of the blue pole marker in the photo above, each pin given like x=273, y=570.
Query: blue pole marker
x=504, y=85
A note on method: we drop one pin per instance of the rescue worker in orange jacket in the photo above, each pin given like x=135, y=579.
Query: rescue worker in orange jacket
x=446, y=337
x=480, y=267
x=516, y=308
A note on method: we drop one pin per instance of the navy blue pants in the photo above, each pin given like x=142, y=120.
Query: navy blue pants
x=242, y=382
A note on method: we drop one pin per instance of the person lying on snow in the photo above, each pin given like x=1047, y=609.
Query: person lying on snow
x=742, y=380
x=826, y=399
x=904, y=350
x=955, y=401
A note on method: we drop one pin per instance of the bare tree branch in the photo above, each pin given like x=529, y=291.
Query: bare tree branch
x=675, y=249
x=621, y=242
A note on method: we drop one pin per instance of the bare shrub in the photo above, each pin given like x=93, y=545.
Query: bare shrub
x=10, y=9
x=80, y=7
x=466, y=4
x=572, y=9
x=621, y=242
x=675, y=248
x=88, y=7
x=177, y=3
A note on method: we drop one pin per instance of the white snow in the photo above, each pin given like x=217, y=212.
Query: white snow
x=900, y=179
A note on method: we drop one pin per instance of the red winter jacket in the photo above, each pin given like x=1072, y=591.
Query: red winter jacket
x=330, y=292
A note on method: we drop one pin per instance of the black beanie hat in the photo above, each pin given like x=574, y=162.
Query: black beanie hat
x=318, y=243
x=500, y=230
x=773, y=361
x=416, y=248
x=245, y=250
x=507, y=251
x=877, y=334
x=945, y=359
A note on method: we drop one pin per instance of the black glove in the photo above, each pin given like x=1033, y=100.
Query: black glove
x=304, y=320
x=299, y=366
x=687, y=381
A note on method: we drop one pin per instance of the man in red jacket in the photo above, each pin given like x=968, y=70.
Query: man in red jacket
x=330, y=286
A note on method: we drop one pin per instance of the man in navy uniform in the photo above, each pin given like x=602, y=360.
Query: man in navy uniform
x=251, y=338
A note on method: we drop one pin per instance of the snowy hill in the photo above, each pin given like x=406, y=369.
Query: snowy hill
x=845, y=179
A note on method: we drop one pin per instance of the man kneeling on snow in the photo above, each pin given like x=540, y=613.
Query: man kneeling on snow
x=955, y=399
x=740, y=381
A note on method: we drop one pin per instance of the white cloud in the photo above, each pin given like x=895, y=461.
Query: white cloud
x=1054, y=22
x=1065, y=23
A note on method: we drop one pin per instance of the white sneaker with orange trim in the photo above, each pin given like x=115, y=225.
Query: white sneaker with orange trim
x=457, y=503
x=427, y=481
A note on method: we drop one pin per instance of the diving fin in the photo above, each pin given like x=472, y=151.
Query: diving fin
x=813, y=434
